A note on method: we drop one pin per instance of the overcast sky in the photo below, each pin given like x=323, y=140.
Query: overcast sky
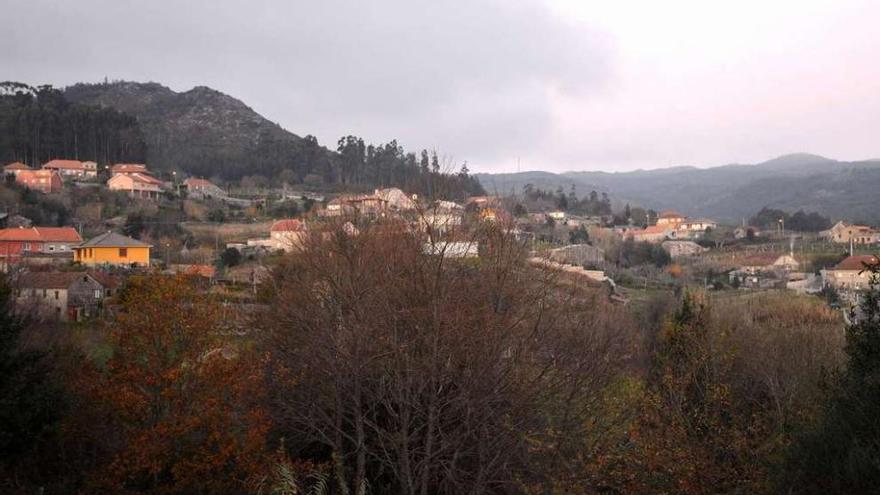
x=552, y=84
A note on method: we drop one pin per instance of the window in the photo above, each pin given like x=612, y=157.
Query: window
x=44, y=293
x=51, y=247
x=26, y=247
x=123, y=252
x=97, y=293
x=56, y=295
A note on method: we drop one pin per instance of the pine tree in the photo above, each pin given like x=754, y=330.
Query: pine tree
x=842, y=455
x=29, y=402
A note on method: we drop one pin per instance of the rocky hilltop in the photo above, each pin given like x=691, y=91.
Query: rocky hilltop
x=202, y=130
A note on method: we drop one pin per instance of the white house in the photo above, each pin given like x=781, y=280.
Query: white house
x=286, y=235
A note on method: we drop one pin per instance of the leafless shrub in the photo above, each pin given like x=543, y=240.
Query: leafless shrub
x=435, y=375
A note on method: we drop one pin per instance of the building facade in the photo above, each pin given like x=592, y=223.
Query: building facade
x=45, y=181
x=74, y=169
x=136, y=185
x=16, y=244
x=113, y=250
x=59, y=296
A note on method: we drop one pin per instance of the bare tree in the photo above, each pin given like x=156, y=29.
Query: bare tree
x=431, y=374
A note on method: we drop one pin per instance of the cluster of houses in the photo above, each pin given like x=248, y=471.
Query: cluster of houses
x=672, y=225
x=441, y=217
x=38, y=260
x=845, y=233
x=47, y=246
x=132, y=178
x=768, y=270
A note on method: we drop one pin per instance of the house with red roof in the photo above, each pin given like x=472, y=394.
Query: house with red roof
x=670, y=218
x=137, y=185
x=19, y=243
x=684, y=227
x=45, y=181
x=844, y=233
x=15, y=168
x=288, y=234
x=851, y=273
x=129, y=168
x=73, y=168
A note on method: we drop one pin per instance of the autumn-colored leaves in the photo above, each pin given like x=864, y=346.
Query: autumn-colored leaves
x=179, y=402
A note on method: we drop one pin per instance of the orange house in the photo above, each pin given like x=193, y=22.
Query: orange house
x=113, y=249
x=45, y=181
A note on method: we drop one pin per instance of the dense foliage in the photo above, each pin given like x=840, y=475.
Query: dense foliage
x=536, y=199
x=30, y=405
x=842, y=453
x=799, y=221
x=40, y=124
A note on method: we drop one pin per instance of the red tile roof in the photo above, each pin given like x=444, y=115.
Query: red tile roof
x=196, y=182
x=48, y=280
x=145, y=178
x=856, y=263
x=288, y=225
x=16, y=166
x=41, y=234
x=128, y=167
x=757, y=259
x=671, y=214
x=64, y=165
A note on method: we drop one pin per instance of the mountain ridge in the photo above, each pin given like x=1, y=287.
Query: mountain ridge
x=728, y=192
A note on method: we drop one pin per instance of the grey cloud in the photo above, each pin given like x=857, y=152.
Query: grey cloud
x=470, y=78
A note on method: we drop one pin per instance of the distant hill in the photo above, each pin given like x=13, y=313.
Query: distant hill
x=207, y=133
x=841, y=190
x=202, y=131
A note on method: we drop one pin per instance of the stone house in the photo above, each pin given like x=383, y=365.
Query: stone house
x=680, y=249
x=579, y=255
x=60, y=296
x=203, y=188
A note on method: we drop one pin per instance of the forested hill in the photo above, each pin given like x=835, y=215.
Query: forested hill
x=38, y=124
x=211, y=134
x=203, y=131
